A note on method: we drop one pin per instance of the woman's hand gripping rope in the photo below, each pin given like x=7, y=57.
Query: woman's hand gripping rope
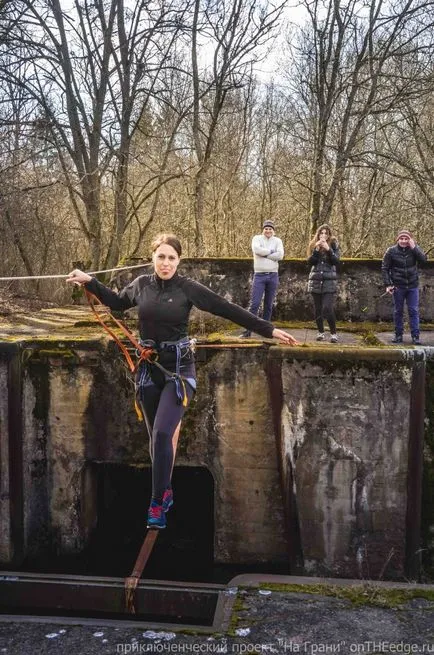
x=78, y=277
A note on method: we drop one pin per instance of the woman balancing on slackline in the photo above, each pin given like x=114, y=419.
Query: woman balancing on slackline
x=164, y=302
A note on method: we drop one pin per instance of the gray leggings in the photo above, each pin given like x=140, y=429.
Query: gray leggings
x=163, y=412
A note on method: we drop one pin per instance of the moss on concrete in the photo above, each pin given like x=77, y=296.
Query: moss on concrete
x=66, y=356
x=238, y=607
x=358, y=595
x=220, y=337
x=345, y=357
x=369, y=339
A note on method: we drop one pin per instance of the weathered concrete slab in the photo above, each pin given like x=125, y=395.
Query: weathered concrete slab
x=322, y=482
x=278, y=615
x=328, y=436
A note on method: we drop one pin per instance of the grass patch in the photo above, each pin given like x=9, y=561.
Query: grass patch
x=370, y=339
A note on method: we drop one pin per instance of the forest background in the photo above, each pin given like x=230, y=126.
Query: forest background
x=120, y=119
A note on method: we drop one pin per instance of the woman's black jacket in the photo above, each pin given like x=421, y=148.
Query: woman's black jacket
x=399, y=266
x=164, y=306
x=323, y=275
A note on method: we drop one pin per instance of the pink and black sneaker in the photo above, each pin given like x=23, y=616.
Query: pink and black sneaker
x=156, y=516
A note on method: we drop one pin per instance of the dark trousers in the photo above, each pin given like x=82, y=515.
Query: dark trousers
x=411, y=296
x=264, y=286
x=163, y=412
x=324, y=309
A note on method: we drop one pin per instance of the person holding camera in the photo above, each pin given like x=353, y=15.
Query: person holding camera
x=401, y=277
x=323, y=256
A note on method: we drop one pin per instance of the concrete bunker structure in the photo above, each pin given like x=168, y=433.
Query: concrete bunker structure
x=309, y=458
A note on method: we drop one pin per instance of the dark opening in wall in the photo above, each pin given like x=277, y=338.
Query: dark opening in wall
x=183, y=551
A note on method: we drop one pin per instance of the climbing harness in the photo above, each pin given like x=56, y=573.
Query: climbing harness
x=147, y=353
x=181, y=348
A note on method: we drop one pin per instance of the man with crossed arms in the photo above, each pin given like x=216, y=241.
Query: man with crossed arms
x=267, y=252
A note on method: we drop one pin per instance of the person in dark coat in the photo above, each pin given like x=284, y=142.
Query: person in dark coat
x=401, y=277
x=164, y=302
x=323, y=256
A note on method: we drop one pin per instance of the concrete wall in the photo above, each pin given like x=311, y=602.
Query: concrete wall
x=6, y=553
x=310, y=452
x=230, y=431
x=360, y=288
x=348, y=448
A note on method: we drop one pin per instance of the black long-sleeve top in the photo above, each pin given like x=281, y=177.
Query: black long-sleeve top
x=164, y=306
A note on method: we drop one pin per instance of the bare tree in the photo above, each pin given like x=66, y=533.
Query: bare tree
x=160, y=152
x=90, y=73
x=237, y=33
x=408, y=149
x=347, y=72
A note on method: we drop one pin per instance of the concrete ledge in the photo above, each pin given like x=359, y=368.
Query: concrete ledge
x=256, y=579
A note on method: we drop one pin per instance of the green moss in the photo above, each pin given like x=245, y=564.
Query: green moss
x=358, y=595
x=238, y=607
x=363, y=327
x=352, y=357
x=352, y=327
x=60, y=352
x=203, y=326
x=206, y=327
x=370, y=339
x=61, y=355
x=219, y=337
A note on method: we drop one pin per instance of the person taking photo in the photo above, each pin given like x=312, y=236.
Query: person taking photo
x=323, y=257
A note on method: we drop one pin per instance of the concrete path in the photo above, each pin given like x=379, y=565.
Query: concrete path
x=73, y=321
x=347, y=338
x=271, y=615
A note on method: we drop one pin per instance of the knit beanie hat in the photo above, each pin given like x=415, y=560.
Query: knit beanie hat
x=404, y=233
x=268, y=224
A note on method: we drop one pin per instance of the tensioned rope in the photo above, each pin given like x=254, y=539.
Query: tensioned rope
x=52, y=277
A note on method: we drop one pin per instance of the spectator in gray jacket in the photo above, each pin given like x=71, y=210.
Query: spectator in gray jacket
x=323, y=255
x=267, y=252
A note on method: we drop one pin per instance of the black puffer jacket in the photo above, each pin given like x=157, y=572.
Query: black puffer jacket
x=323, y=276
x=399, y=266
